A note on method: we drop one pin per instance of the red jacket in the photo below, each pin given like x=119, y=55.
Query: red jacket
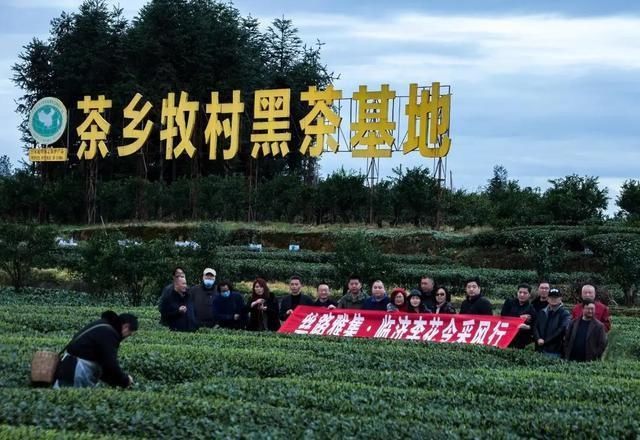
x=602, y=314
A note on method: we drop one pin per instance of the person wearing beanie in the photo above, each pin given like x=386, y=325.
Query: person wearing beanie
x=92, y=354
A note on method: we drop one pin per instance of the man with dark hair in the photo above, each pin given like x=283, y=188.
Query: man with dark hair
x=586, y=338
x=551, y=325
x=475, y=304
x=92, y=354
x=520, y=307
x=427, y=292
x=177, y=309
x=355, y=297
x=540, y=302
x=228, y=307
x=203, y=295
x=588, y=294
x=378, y=299
x=324, y=298
x=294, y=299
x=178, y=273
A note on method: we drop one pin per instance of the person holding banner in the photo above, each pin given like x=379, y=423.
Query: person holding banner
x=294, y=299
x=443, y=302
x=475, y=304
x=397, y=302
x=520, y=306
x=378, y=299
x=355, y=297
x=324, y=300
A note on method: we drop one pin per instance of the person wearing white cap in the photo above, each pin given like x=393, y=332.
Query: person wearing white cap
x=203, y=295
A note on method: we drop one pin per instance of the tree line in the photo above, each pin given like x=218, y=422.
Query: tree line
x=204, y=45
x=409, y=196
x=198, y=46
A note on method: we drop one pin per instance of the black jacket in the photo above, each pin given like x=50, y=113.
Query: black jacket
x=421, y=309
x=203, y=303
x=428, y=298
x=596, y=339
x=478, y=305
x=539, y=304
x=551, y=326
x=176, y=320
x=166, y=292
x=99, y=345
x=512, y=307
x=327, y=303
x=372, y=304
x=286, y=304
x=263, y=320
x=446, y=308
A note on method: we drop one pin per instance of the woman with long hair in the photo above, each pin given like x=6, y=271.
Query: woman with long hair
x=262, y=307
x=443, y=302
x=415, y=303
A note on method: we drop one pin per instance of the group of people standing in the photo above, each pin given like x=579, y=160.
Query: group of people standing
x=579, y=334
x=210, y=304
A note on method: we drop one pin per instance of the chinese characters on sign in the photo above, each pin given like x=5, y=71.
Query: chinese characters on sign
x=371, y=129
x=465, y=329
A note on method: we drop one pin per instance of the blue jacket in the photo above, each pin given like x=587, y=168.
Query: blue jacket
x=371, y=304
x=225, y=307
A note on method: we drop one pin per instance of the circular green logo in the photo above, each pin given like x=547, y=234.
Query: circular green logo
x=47, y=120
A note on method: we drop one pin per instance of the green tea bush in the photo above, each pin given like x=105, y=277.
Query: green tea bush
x=221, y=383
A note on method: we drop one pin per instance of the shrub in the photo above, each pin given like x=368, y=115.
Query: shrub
x=22, y=247
x=112, y=263
x=356, y=254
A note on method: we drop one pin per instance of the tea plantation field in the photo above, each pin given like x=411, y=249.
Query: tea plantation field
x=221, y=384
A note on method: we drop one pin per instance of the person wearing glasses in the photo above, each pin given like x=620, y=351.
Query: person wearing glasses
x=443, y=302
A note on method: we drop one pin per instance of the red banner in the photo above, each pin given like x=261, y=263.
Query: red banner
x=496, y=331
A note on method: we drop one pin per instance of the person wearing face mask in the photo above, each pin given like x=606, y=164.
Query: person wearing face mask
x=228, y=307
x=203, y=295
